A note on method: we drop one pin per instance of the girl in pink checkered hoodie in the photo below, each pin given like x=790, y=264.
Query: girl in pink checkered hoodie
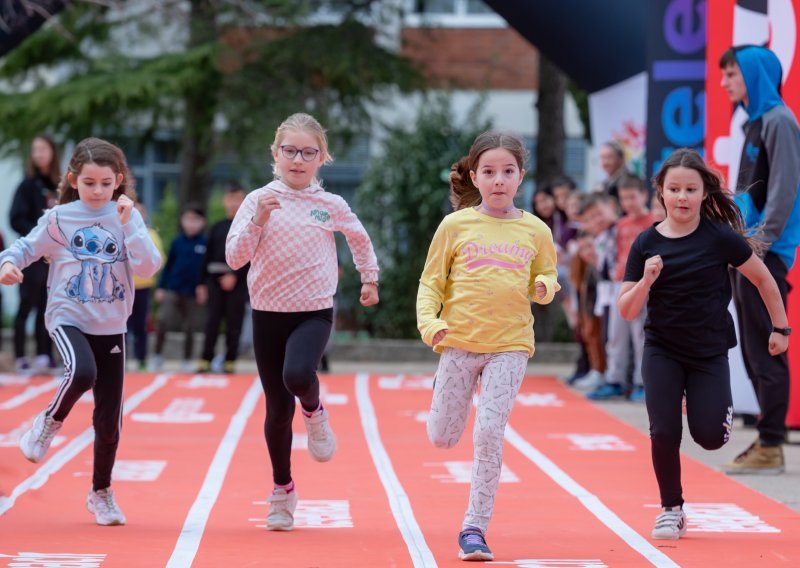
x=286, y=231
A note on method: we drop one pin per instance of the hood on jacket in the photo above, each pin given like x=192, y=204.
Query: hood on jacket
x=762, y=75
x=279, y=187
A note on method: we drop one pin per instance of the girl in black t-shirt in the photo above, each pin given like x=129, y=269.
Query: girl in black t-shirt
x=679, y=267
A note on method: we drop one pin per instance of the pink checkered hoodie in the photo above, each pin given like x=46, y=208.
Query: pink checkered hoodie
x=293, y=265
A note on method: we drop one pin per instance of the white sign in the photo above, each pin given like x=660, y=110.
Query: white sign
x=179, y=411
x=461, y=472
x=318, y=514
x=596, y=442
x=59, y=560
x=539, y=399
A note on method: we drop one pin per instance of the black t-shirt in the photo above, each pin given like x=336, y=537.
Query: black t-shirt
x=687, y=310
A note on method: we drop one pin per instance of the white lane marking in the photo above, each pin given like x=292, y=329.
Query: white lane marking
x=590, y=501
x=421, y=554
x=192, y=532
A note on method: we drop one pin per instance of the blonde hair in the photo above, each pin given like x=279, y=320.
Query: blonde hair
x=301, y=122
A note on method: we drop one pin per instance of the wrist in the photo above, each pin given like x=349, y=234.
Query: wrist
x=371, y=283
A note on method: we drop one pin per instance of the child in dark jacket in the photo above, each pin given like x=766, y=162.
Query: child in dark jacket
x=177, y=288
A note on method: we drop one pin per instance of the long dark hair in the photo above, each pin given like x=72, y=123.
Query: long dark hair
x=102, y=153
x=719, y=204
x=463, y=192
x=53, y=172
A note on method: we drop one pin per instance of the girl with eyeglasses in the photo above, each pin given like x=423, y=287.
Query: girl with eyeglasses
x=286, y=231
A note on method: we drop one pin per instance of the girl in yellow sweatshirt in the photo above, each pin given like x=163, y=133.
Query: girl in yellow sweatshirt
x=486, y=262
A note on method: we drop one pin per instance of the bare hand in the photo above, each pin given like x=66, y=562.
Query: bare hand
x=438, y=337
x=540, y=289
x=267, y=203
x=227, y=282
x=124, y=208
x=652, y=269
x=369, y=295
x=201, y=294
x=159, y=295
x=778, y=343
x=10, y=274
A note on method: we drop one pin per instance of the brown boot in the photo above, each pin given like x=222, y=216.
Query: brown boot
x=757, y=459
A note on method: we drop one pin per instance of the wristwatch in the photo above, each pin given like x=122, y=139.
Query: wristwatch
x=782, y=330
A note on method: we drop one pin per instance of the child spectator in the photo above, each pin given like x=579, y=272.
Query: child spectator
x=624, y=334
x=223, y=290
x=177, y=287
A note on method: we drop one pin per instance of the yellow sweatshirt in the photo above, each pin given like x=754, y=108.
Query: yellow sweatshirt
x=138, y=281
x=480, y=274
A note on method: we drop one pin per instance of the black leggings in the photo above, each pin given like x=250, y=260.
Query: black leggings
x=288, y=347
x=94, y=362
x=709, y=410
x=32, y=296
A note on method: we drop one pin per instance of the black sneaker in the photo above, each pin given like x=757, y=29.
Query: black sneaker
x=473, y=545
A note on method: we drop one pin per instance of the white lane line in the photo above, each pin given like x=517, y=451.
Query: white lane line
x=192, y=532
x=28, y=394
x=590, y=501
x=74, y=447
x=420, y=553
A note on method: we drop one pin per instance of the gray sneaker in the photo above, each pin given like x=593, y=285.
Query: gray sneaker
x=670, y=524
x=321, y=441
x=105, y=508
x=281, y=510
x=36, y=441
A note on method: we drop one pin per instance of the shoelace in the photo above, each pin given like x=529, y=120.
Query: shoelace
x=107, y=501
x=46, y=429
x=474, y=538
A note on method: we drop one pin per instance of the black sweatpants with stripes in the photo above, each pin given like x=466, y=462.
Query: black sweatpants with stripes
x=94, y=362
x=288, y=347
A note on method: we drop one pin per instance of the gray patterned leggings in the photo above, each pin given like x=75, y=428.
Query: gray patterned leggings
x=500, y=377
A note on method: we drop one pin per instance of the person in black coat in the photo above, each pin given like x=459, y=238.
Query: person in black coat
x=36, y=193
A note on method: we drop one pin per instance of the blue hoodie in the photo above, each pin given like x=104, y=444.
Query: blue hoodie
x=769, y=171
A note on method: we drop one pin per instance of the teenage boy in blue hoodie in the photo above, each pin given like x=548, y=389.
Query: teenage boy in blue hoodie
x=769, y=175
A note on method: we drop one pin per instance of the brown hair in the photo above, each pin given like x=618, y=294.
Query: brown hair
x=54, y=169
x=631, y=181
x=718, y=204
x=463, y=192
x=102, y=153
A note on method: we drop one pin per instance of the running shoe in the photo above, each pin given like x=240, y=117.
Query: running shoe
x=105, y=508
x=473, y=546
x=36, y=441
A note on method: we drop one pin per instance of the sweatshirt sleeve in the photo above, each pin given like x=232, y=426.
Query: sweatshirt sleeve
x=244, y=235
x=782, y=144
x=358, y=240
x=432, y=283
x=144, y=256
x=21, y=209
x=37, y=243
x=544, y=267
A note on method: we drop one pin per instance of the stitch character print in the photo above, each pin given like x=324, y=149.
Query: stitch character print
x=97, y=249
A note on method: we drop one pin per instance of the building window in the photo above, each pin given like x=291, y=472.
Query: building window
x=452, y=14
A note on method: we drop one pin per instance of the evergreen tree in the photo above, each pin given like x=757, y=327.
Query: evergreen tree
x=114, y=67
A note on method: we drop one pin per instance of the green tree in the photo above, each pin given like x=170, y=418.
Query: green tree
x=244, y=65
x=401, y=201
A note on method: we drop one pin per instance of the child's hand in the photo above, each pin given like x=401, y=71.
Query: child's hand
x=124, y=208
x=438, y=337
x=778, y=343
x=267, y=203
x=369, y=295
x=652, y=269
x=10, y=274
x=227, y=282
x=540, y=289
x=201, y=294
x=159, y=295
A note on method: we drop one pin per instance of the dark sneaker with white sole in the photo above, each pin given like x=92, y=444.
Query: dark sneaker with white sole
x=473, y=545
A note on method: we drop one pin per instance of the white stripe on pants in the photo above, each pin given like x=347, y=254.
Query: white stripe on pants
x=500, y=376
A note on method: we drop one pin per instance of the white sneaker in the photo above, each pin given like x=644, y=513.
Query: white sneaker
x=591, y=381
x=281, y=510
x=41, y=365
x=156, y=363
x=670, y=524
x=105, y=508
x=321, y=441
x=36, y=441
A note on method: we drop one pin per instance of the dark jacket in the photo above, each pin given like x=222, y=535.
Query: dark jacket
x=33, y=196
